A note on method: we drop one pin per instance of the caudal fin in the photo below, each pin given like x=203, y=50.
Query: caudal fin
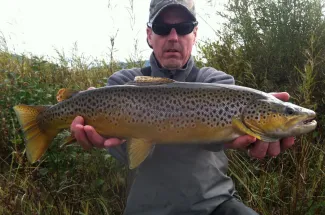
x=37, y=139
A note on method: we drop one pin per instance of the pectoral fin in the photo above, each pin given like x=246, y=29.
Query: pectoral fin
x=237, y=123
x=138, y=151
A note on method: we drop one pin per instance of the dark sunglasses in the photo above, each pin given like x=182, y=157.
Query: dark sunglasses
x=181, y=28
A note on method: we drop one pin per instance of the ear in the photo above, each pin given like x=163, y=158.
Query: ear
x=195, y=34
x=149, y=36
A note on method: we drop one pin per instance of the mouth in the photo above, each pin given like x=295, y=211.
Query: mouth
x=172, y=50
x=304, y=126
x=309, y=122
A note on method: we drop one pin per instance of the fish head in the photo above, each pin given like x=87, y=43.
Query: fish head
x=271, y=117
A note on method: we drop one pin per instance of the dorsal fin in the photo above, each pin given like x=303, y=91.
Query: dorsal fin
x=64, y=94
x=148, y=80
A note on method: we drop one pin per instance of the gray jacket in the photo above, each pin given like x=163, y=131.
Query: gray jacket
x=178, y=179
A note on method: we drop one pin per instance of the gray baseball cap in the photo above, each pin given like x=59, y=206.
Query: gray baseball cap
x=156, y=6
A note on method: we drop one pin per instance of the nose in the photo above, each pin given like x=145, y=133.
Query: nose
x=172, y=36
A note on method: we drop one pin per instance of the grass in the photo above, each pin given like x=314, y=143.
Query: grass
x=294, y=182
x=68, y=180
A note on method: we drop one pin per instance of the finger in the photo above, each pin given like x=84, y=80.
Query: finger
x=94, y=138
x=274, y=149
x=77, y=130
x=284, y=96
x=113, y=142
x=78, y=120
x=81, y=137
x=287, y=143
x=241, y=142
x=259, y=149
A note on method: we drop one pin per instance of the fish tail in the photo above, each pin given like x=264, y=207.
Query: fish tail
x=37, y=139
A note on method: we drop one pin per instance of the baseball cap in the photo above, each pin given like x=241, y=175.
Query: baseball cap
x=156, y=6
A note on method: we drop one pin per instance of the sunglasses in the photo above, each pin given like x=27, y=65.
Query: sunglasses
x=164, y=29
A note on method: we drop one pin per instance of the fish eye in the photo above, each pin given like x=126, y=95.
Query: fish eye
x=289, y=111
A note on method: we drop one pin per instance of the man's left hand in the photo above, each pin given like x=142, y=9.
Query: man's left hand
x=259, y=149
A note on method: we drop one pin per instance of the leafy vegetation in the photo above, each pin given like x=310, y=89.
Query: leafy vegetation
x=270, y=45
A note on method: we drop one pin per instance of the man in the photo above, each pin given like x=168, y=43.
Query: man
x=179, y=179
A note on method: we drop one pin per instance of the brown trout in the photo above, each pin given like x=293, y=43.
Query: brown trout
x=151, y=111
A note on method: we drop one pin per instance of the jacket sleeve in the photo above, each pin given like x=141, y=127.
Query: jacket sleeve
x=119, y=78
x=211, y=75
x=123, y=76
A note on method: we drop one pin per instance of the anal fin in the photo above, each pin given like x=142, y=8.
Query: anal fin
x=138, y=151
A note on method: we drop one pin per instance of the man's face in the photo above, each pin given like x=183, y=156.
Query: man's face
x=173, y=50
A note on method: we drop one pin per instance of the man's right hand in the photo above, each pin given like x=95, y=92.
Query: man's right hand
x=87, y=136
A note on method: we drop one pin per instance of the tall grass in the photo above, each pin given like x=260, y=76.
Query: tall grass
x=68, y=180
x=294, y=182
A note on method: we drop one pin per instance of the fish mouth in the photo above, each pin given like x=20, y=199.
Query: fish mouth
x=309, y=121
x=307, y=124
